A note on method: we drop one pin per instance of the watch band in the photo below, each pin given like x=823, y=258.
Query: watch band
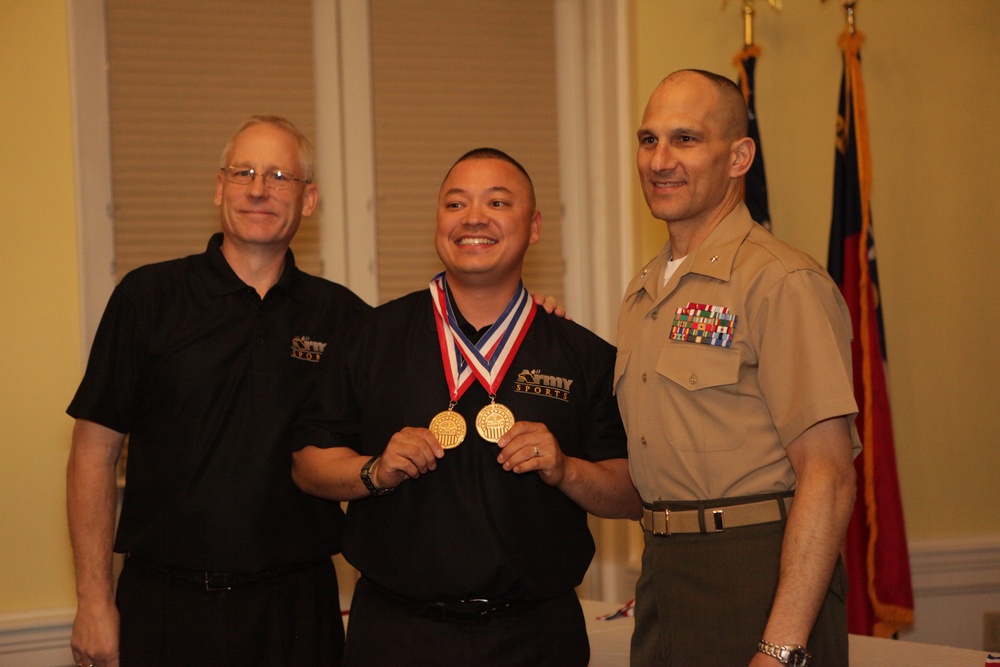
x=366, y=477
x=793, y=656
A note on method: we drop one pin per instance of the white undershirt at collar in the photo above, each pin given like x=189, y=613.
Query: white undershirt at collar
x=672, y=266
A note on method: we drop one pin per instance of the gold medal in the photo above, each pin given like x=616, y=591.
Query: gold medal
x=493, y=421
x=486, y=360
x=449, y=428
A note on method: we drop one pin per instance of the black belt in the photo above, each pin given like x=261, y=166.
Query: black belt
x=475, y=610
x=217, y=581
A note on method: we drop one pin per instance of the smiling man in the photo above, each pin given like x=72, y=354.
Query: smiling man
x=735, y=385
x=204, y=363
x=469, y=489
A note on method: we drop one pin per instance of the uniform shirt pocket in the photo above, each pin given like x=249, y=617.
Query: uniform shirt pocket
x=705, y=407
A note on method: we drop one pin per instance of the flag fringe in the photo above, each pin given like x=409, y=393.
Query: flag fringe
x=891, y=619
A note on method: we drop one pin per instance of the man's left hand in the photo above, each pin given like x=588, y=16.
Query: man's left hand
x=550, y=305
x=531, y=447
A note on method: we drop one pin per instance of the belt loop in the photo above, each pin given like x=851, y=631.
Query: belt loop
x=785, y=504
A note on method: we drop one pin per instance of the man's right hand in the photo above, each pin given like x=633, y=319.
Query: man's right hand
x=410, y=453
x=95, y=636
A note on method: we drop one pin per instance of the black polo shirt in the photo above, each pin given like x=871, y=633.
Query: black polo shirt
x=207, y=379
x=468, y=529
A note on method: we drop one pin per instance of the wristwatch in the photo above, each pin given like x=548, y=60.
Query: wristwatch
x=793, y=656
x=366, y=477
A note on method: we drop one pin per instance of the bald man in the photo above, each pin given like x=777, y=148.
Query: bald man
x=734, y=381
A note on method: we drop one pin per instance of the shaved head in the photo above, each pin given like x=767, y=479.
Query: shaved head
x=732, y=111
x=693, y=153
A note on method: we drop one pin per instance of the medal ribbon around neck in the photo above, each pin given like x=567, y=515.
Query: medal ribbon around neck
x=489, y=359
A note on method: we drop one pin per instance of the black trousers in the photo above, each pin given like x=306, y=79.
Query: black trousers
x=382, y=631
x=290, y=620
x=704, y=600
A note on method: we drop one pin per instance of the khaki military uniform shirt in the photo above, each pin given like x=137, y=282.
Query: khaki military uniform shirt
x=744, y=348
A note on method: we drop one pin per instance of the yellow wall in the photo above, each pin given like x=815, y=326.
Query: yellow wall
x=937, y=193
x=929, y=70
x=40, y=331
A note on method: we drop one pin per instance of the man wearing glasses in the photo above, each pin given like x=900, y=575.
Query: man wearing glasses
x=203, y=362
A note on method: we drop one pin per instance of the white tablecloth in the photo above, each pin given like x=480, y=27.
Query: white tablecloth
x=609, y=646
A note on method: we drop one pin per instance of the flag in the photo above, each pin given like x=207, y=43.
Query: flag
x=880, y=593
x=755, y=183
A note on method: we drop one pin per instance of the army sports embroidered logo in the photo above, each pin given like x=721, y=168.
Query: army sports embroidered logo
x=306, y=349
x=535, y=382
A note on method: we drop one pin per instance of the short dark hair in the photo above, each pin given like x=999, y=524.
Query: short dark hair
x=487, y=153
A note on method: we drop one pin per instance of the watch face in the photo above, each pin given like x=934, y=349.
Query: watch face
x=798, y=657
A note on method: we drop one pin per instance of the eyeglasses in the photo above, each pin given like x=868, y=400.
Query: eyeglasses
x=273, y=180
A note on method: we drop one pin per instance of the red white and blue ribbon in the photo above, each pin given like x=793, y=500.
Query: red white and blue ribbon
x=489, y=359
x=628, y=611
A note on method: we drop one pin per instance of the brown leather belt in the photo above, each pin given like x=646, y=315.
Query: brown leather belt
x=666, y=522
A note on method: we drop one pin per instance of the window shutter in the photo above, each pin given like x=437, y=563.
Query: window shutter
x=449, y=76
x=182, y=76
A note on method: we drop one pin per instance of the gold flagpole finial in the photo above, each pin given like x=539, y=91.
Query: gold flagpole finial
x=849, y=6
x=748, y=11
x=849, y=10
x=747, y=22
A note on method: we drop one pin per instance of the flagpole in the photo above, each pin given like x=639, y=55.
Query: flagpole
x=748, y=13
x=754, y=188
x=747, y=23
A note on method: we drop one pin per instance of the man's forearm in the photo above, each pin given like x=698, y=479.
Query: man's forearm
x=91, y=501
x=91, y=497
x=603, y=488
x=330, y=473
x=813, y=538
x=817, y=522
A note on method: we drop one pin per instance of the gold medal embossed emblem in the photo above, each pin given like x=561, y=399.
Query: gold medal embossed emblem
x=449, y=428
x=493, y=421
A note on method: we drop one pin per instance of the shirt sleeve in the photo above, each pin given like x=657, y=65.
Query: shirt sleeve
x=111, y=385
x=803, y=332
x=606, y=437
x=331, y=416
